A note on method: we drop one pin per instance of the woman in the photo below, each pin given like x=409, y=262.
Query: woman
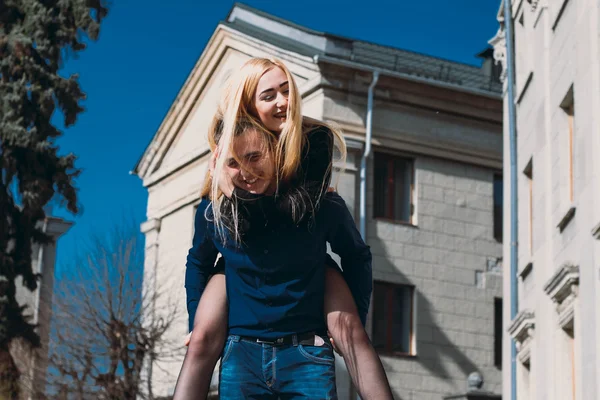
x=264, y=93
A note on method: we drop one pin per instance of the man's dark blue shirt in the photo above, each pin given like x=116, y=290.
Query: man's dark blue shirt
x=276, y=279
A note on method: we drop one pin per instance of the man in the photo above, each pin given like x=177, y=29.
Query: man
x=277, y=344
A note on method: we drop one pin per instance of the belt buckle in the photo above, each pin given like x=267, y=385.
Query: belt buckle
x=270, y=342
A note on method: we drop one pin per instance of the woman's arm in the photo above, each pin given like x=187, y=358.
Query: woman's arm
x=313, y=179
x=345, y=241
x=200, y=261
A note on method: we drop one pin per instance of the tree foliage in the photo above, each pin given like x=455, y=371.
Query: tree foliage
x=35, y=38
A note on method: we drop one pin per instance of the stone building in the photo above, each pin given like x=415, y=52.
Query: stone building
x=434, y=192
x=32, y=364
x=557, y=98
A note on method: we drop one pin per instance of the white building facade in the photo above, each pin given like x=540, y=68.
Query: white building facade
x=557, y=103
x=434, y=192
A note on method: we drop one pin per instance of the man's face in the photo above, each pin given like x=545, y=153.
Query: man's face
x=255, y=171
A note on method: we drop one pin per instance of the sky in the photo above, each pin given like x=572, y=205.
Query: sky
x=146, y=50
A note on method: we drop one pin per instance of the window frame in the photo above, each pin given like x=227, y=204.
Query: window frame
x=388, y=335
x=388, y=215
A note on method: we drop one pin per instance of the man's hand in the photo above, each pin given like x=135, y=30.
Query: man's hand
x=187, y=339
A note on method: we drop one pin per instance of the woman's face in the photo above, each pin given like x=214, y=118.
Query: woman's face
x=271, y=99
x=255, y=170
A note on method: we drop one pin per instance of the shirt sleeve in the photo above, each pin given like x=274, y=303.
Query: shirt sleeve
x=200, y=261
x=355, y=255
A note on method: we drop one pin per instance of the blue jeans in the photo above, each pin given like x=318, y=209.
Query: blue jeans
x=251, y=370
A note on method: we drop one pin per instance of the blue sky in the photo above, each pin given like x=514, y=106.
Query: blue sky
x=147, y=48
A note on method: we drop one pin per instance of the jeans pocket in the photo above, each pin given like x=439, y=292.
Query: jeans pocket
x=319, y=354
x=227, y=350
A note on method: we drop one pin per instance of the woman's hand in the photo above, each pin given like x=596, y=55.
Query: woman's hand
x=224, y=179
x=332, y=345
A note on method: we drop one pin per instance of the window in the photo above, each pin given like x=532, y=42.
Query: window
x=393, y=188
x=498, y=207
x=393, y=318
x=498, y=332
x=529, y=174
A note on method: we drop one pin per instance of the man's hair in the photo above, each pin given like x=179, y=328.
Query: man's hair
x=236, y=110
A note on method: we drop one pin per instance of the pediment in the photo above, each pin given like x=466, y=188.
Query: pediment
x=522, y=325
x=563, y=288
x=562, y=283
x=181, y=137
x=522, y=330
x=191, y=138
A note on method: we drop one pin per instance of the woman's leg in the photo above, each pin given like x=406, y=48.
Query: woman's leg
x=206, y=343
x=351, y=340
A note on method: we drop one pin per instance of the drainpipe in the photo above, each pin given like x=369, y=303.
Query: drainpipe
x=365, y=158
x=366, y=153
x=514, y=306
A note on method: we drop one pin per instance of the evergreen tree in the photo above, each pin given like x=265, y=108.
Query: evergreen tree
x=35, y=37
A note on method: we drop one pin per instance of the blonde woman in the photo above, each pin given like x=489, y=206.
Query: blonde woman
x=264, y=95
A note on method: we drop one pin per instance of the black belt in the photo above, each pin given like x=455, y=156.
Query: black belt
x=305, y=339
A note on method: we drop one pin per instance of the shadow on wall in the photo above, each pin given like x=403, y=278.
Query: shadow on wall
x=435, y=350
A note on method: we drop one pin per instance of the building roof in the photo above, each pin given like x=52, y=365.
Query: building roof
x=305, y=41
x=360, y=54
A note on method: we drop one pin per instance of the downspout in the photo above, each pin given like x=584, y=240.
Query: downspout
x=366, y=153
x=365, y=158
x=368, y=135
x=514, y=306
x=363, y=163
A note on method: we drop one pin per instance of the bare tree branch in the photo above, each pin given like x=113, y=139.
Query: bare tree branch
x=105, y=325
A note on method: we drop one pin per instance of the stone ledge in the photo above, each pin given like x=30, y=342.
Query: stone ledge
x=151, y=224
x=522, y=330
x=519, y=327
x=526, y=84
x=596, y=231
x=57, y=227
x=474, y=395
x=560, y=285
x=564, y=221
x=525, y=271
x=563, y=288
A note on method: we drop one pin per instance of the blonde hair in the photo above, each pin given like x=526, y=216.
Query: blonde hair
x=237, y=105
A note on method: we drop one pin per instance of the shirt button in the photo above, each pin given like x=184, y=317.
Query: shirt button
x=266, y=251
